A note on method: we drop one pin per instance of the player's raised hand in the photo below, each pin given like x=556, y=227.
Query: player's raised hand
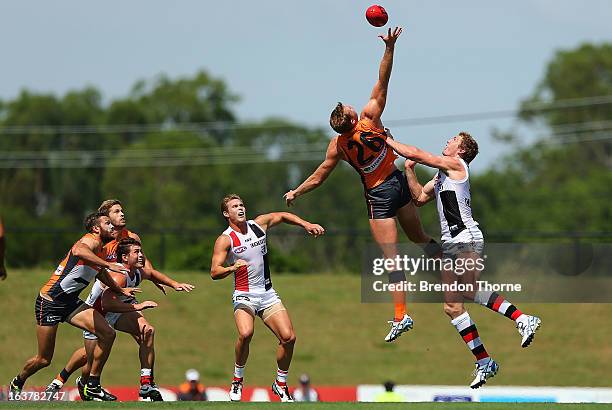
x=147, y=304
x=184, y=287
x=391, y=36
x=290, y=197
x=315, y=229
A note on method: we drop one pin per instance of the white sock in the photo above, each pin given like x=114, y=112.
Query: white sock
x=58, y=382
x=238, y=371
x=281, y=376
x=145, y=372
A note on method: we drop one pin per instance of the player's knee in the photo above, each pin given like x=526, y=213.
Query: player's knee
x=107, y=334
x=148, y=332
x=245, y=336
x=288, y=339
x=453, y=309
x=43, y=361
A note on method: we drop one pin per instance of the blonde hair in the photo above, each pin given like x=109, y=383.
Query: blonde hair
x=226, y=200
x=107, y=205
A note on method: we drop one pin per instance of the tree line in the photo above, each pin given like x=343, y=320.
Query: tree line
x=172, y=148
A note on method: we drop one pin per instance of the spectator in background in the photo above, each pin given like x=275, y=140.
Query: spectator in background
x=389, y=395
x=305, y=392
x=192, y=389
x=2, y=268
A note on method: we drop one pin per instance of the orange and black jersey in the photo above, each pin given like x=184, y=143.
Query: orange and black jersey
x=365, y=148
x=109, y=252
x=71, y=276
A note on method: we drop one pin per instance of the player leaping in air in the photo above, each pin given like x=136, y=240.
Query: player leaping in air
x=243, y=247
x=461, y=239
x=361, y=143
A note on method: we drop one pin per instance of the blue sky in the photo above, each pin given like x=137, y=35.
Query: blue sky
x=297, y=59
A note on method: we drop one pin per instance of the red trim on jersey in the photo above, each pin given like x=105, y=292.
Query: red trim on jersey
x=242, y=278
x=235, y=239
x=497, y=303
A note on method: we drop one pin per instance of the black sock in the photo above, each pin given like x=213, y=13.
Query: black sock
x=18, y=381
x=94, y=381
x=64, y=375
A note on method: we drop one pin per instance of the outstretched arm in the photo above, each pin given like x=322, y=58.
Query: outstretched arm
x=110, y=280
x=217, y=270
x=267, y=221
x=420, y=194
x=332, y=156
x=374, y=108
x=426, y=158
x=159, y=278
x=2, y=247
x=111, y=303
x=84, y=249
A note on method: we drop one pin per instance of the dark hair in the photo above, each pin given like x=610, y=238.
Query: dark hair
x=107, y=205
x=339, y=120
x=226, y=200
x=123, y=248
x=469, y=147
x=92, y=220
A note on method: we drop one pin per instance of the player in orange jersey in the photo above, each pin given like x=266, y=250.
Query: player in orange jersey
x=114, y=210
x=58, y=301
x=362, y=143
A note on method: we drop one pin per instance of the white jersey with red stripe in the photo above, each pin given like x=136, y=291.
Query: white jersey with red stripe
x=94, y=299
x=250, y=247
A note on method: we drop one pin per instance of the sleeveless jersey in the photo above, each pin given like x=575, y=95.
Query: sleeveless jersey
x=71, y=276
x=94, y=298
x=250, y=247
x=453, y=200
x=109, y=254
x=366, y=150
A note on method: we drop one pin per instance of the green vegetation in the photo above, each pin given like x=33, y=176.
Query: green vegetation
x=184, y=150
x=340, y=340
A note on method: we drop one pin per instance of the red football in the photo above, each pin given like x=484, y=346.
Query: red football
x=376, y=15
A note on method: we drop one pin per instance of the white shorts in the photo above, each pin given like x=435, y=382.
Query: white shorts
x=255, y=302
x=111, y=318
x=469, y=240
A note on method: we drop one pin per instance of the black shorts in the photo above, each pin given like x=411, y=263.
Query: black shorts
x=384, y=200
x=51, y=313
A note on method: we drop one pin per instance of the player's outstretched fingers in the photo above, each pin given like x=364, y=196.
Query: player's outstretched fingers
x=184, y=287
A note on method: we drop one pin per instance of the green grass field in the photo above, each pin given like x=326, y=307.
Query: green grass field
x=340, y=340
x=309, y=406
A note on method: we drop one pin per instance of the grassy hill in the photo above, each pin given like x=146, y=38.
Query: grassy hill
x=340, y=340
